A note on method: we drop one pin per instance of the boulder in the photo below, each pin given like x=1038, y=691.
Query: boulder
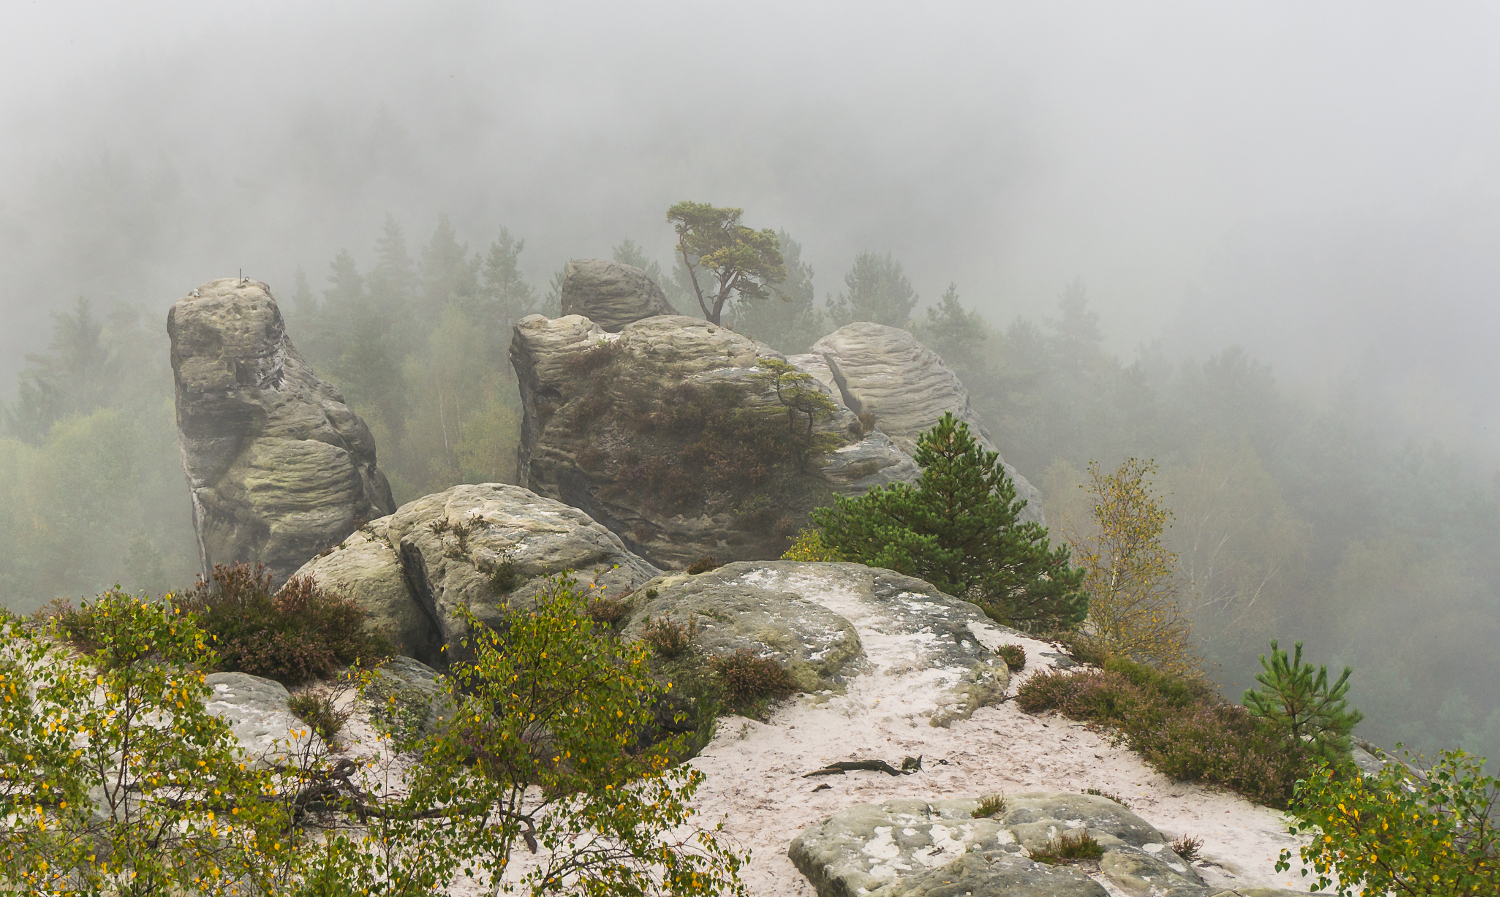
x=905, y=387
x=258, y=714
x=805, y=615
x=915, y=847
x=726, y=613
x=673, y=436
x=475, y=547
x=278, y=466
x=611, y=294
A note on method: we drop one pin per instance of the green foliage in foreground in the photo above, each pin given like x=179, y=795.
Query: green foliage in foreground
x=1299, y=702
x=1396, y=832
x=115, y=780
x=958, y=529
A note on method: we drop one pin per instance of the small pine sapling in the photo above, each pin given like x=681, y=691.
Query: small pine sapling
x=1297, y=700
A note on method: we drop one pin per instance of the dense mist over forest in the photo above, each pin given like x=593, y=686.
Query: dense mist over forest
x=1256, y=243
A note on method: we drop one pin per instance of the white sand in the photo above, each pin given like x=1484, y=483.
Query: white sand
x=754, y=773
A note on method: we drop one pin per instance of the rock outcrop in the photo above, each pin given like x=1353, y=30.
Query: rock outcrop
x=904, y=386
x=672, y=435
x=804, y=616
x=278, y=465
x=913, y=847
x=611, y=294
x=474, y=547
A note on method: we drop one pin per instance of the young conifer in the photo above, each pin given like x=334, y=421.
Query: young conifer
x=1298, y=700
x=958, y=529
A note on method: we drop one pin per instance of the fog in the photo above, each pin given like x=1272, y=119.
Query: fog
x=1317, y=183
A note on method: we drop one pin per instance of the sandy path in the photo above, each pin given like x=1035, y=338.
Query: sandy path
x=754, y=775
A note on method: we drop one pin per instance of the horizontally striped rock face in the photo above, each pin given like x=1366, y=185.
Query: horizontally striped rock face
x=884, y=372
x=278, y=465
x=670, y=435
x=611, y=294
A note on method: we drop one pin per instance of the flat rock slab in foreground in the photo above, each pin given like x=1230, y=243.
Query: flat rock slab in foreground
x=906, y=848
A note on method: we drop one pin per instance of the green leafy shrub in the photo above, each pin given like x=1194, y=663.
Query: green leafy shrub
x=1298, y=702
x=1178, y=726
x=1069, y=847
x=749, y=678
x=542, y=755
x=1013, y=655
x=114, y=777
x=958, y=528
x=1423, y=834
x=809, y=546
x=116, y=780
x=298, y=634
x=667, y=637
x=989, y=805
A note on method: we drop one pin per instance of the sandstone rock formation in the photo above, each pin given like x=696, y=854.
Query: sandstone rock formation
x=884, y=372
x=804, y=616
x=672, y=436
x=611, y=294
x=473, y=547
x=278, y=465
x=914, y=847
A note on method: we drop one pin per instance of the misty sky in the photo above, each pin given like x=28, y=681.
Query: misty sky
x=1318, y=182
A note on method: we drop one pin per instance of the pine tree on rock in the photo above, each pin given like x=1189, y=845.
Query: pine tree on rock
x=958, y=529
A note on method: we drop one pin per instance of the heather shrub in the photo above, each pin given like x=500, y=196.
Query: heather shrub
x=667, y=637
x=1187, y=847
x=750, y=678
x=609, y=611
x=1096, y=792
x=319, y=712
x=296, y=635
x=1221, y=744
x=1178, y=726
x=703, y=564
x=1013, y=655
x=1069, y=847
x=989, y=805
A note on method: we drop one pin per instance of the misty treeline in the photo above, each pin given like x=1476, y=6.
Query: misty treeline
x=1294, y=518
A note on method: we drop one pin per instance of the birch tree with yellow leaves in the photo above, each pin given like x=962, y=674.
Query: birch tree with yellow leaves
x=1129, y=574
